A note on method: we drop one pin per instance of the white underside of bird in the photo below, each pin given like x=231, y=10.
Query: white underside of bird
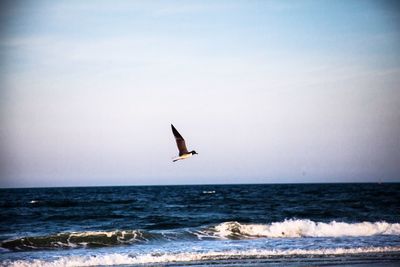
x=182, y=157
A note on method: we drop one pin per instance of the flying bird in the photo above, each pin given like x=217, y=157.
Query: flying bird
x=180, y=142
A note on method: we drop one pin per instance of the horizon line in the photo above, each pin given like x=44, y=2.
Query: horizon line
x=217, y=184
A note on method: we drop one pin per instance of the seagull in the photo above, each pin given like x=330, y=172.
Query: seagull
x=180, y=142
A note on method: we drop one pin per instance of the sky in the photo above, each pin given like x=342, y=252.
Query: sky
x=264, y=91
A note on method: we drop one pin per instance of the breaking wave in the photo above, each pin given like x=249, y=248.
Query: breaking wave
x=157, y=258
x=226, y=230
x=303, y=228
x=76, y=239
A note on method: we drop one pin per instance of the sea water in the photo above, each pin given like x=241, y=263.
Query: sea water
x=240, y=225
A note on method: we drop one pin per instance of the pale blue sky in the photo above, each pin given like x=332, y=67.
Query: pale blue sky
x=264, y=91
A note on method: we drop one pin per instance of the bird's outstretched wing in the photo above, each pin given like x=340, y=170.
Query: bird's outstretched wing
x=179, y=141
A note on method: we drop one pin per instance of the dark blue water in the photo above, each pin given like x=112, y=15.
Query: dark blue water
x=160, y=224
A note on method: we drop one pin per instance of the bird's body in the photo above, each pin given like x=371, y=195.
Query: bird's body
x=180, y=142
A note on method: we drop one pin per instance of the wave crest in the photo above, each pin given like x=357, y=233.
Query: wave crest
x=304, y=228
x=76, y=239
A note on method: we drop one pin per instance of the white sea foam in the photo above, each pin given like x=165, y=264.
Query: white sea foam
x=77, y=239
x=121, y=259
x=305, y=228
x=117, y=233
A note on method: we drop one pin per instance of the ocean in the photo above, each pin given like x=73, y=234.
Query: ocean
x=197, y=225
